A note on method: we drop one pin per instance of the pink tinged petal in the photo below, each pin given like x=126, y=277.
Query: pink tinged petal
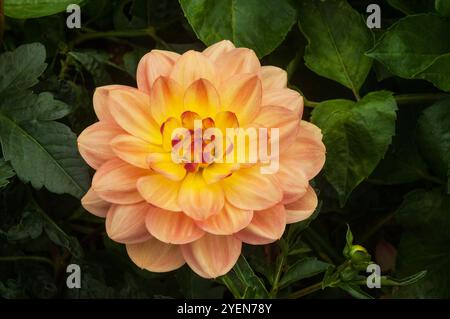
x=302, y=208
x=172, y=227
x=166, y=99
x=115, y=181
x=248, y=189
x=94, y=143
x=212, y=256
x=94, y=204
x=163, y=164
x=102, y=104
x=192, y=66
x=241, y=95
x=156, y=256
x=133, y=150
x=160, y=191
x=202, y=98
x=237, y=61
x=228, y=221
x=126, y=223
x=218, y=171
x=153, y=65
x=273, y=77
x=131, y=110
x=286, y=121
x=308, y=150
x=292, y=179
x=286, y=98
x=266, y=227
x=216, y=51
x=199, y=200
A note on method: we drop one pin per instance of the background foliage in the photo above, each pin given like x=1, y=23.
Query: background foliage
x=379, y=96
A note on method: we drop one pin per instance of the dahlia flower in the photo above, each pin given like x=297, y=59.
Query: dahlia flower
x=168, y=212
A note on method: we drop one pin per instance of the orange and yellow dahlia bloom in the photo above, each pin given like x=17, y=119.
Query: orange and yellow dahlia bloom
x=169, y=213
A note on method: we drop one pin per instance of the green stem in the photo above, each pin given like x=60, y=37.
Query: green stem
x=28, y=258
x=231, y=286
x=306, y=291
x=276, y=280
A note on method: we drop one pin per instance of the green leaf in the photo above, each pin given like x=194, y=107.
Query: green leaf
x=6, y=172
x=251, y=284
x=357, y=135
x=95, y=63
x=412, y=6
x=389, y=281
x=354, y=291
x=424, y=215
x=443, y=7
x=422, y=54
x=337, y=37
x=304, y=268
x=25, y=9
x=434, y=137
x=21, y=68
x=257, y=24
x=131, y=60
x=194, y=287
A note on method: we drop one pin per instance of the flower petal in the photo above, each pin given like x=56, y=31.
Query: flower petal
x=160, y=191
x=126, y=223
x=218, y=171
x=131, y=110
x=292, y=179
x=216, y=51
x=133, y=150
x=163, y=164
x=273, y=77
x=302, y=208
x=94, y=204
x=94, y=143
x=172, y=227
x=153, y=65
x=192, y=66
x=156, y=256
x=202, y=98
x=115, y=181
x=290, y=99
x=237, y=61
x=199, y=200
x=212, y=256
x=248, y=189
x=166, y=99
x=266, y=226
x=242, y=95
x=228, y=221
x=102, y=104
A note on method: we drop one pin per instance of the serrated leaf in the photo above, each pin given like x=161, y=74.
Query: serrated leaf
x=25, y=9
x=338, y=38
x=6, y=172
x=357, y=135
x=304, y=268
x=260, y=25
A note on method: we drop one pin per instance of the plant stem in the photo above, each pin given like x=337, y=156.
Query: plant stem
x=306, y=291
x=231, y=286
x=105, y=34
x=28, y=258
x=276, y=280
x=377, y=226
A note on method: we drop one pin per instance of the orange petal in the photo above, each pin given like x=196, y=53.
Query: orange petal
x=248, y=189
x=94, y=204
x=228, y=221
x=237, y=61
x=212, y=256
x=242, y=95
x=172, y=227
x=292, y=179
x=273, y=77
x=94, y=143
x=166, y=99
x=126, y=223
x=216, y=51
x=266, y=227
x=133, y=150
x=156, y=256
x=102, y=104
x=202, y=98
x=115, y=181
x=131, y=110
x=199, y=200
x=192, y=66
x=302, y=208
x=160, y=191
x=167, y=129
x=224, y=120
x=218, y=171
x=290, y=99
x=163, y=164
x=153, y=65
